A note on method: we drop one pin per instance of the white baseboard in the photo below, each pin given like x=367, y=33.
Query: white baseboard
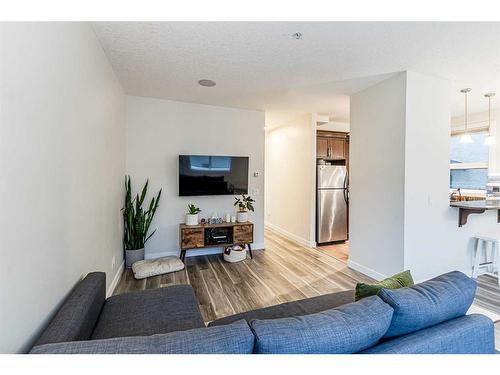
x=199, y=252
x=290, y=236
x=258, y=246
x=365, y=270
x=218, y=250
x=116, y=280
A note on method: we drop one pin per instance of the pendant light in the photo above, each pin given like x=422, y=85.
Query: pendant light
x=466, y=138
x=490, y=140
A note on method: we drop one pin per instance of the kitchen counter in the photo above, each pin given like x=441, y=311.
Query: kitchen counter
x=475, y=207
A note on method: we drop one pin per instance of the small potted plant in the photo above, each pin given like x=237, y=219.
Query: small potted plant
x=192, y=215
x=136, y=222
x=245, y=204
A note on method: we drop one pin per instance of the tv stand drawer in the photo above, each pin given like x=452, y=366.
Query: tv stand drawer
x=192, y=238
x=243, y=233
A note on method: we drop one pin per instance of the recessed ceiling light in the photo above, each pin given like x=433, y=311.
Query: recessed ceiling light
x=297, y=36
x=206, y=83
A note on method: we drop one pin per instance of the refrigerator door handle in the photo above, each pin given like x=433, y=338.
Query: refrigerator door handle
x=346, y=187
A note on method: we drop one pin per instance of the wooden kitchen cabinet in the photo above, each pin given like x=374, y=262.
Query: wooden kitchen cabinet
x=322, y=148
x=332, y=145
x=337, y=148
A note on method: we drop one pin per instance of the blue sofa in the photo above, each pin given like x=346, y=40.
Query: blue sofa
x=425, y=318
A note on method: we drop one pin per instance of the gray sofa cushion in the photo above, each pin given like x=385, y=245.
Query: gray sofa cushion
x=149, y=312
x=77, y=317
x=236, y=338
x=289, y=309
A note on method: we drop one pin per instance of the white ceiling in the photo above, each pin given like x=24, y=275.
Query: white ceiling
x=258, y=65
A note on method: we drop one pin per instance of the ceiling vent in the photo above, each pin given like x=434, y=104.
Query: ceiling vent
x=322, y=120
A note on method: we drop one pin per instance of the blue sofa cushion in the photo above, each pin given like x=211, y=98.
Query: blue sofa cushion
x=346, y=329
x=429, y=303
x=78, y=315
x=236, y=338
x=470, y=334
x=287, y=309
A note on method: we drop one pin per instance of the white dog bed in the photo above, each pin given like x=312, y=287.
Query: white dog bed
x=154, y=267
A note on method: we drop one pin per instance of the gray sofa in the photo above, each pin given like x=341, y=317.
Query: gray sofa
x=168, y=320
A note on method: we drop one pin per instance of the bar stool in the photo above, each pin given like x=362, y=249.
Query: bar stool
x=486, y=256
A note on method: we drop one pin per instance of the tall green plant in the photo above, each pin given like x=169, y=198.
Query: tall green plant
x=136, y=219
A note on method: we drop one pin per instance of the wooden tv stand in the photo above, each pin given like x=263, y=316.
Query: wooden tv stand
x=193, y=237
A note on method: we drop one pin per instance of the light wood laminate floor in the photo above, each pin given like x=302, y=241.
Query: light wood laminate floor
x=284, y=272
x=338, y=250
x=488, y=297
x=488, y=293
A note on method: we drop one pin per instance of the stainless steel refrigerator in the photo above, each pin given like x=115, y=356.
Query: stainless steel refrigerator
x=332, y=201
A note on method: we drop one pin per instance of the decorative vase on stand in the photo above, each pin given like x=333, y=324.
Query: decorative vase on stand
x=242, y=217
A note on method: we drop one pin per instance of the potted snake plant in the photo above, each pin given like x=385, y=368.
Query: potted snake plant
x=137, y=221
x=245, y=204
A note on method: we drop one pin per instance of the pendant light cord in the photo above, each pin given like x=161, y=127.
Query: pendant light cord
x=490, y=140
x=466, y=114
x=489, y=114
x=466, y=92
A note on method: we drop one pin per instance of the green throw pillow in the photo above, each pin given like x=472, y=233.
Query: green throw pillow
x=399, y=280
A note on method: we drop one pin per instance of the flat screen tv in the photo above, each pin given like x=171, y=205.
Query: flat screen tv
x=213, y=175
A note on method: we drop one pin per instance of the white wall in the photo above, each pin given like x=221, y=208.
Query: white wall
x=429, y=224
x=158, y=131
x=62, y=152
x=377, y=172
x=335, y=126
x=430, y=242
x=290, y=178
x=477, y=119
x=434, y=242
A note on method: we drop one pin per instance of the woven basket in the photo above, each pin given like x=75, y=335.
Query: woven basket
x=235, y=254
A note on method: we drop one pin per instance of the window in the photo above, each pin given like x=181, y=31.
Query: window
x=469, y=162
x=210, y=163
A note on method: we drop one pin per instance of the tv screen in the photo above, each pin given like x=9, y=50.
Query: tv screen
x=213, y=175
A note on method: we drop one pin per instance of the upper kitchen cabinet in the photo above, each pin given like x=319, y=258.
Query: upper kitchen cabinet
x=337, y=148
x=332, y=145
x=322, y=147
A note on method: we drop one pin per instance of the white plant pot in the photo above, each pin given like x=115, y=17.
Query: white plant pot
x=242, y=217
x=191, y=219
